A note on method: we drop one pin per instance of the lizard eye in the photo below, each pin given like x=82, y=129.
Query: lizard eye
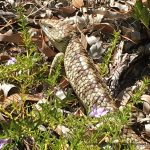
x=49, y=26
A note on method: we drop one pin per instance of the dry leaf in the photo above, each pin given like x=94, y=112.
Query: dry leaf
x=9, y=36
x=19, y=98
x=77, y=3
x=112, y=14
x=60, y=94
x=121, y=6
x=83, y=39
x=47, y=50
x=78, y=21
x=64, y=83
x=40, y=40
x=104, y=27
x=2, y=97
x=15, y=98
x=96, y=50
x=62, y=130
x=146, y=104
x=8, y=89
x=68, y=10
x=4, y=57
x=17, y=39
x=92, y=39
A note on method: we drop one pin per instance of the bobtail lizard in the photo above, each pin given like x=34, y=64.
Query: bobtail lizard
x=79, y=67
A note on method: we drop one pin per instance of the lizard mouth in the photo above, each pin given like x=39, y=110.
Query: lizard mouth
x=45, y=28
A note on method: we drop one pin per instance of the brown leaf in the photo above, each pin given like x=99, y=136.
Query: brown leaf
x=2, y=97
x=104, y=27
x=40, y=40
x=4, y=57
x=68, y=10
x=9, y=36
x=37, y=39
x=47, y=50
x=18, y=98
x=15, y=98
x=64, y=83
x=77, y=3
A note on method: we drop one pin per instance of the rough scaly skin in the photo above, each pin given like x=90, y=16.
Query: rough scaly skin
x=80, y=70
x=84, y=77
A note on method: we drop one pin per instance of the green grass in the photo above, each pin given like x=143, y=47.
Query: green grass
x=79, y=136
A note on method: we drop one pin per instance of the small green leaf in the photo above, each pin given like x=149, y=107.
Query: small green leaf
x=142, y=13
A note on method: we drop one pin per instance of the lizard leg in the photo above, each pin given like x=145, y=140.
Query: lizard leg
x=59, y=58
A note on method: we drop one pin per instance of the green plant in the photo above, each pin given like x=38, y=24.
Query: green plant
x=108, y=54
x=136, y=98
x=29, y=69
x=142, y=13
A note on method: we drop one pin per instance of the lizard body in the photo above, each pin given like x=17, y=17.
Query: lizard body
x=79, y=67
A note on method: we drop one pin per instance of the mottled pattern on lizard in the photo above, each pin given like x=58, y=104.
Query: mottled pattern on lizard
x=80, y=70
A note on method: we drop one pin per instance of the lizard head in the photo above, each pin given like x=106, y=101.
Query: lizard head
x=59, y=33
